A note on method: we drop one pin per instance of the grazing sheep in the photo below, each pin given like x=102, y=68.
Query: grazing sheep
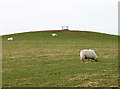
x=11, y=38
x=88, y=54
x=53, y=34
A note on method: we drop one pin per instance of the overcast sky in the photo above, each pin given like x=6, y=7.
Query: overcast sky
x=35, y=15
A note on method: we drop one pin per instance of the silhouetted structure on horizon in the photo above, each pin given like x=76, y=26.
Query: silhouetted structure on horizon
x=65, y=27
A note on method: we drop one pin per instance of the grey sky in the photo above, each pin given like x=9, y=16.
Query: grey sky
x=34, y=15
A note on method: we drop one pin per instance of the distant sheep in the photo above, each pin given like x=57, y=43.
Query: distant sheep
x=11, y=38
x=88, y=54
x=53, y=34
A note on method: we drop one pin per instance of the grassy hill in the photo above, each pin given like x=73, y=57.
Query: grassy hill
x=36, y=59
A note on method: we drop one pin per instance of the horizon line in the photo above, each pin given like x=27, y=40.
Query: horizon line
x=54, y=30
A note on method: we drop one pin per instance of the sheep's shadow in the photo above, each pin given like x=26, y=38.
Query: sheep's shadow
x=90, y=61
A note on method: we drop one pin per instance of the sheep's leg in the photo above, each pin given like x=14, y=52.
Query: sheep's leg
x=82, y=59
x=91, y=60
x=88, y=59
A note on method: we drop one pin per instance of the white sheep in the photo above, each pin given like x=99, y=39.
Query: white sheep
x=11, y=38
x=88, y=54
x=53, y=34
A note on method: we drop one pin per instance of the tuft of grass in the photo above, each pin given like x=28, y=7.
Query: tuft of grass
x=36, y=59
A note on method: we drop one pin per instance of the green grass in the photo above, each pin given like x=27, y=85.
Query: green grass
x=36, y=59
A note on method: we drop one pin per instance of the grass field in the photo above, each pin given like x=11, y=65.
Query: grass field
x=36, y=59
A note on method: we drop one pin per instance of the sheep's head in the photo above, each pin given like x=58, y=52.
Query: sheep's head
x=96, y=59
